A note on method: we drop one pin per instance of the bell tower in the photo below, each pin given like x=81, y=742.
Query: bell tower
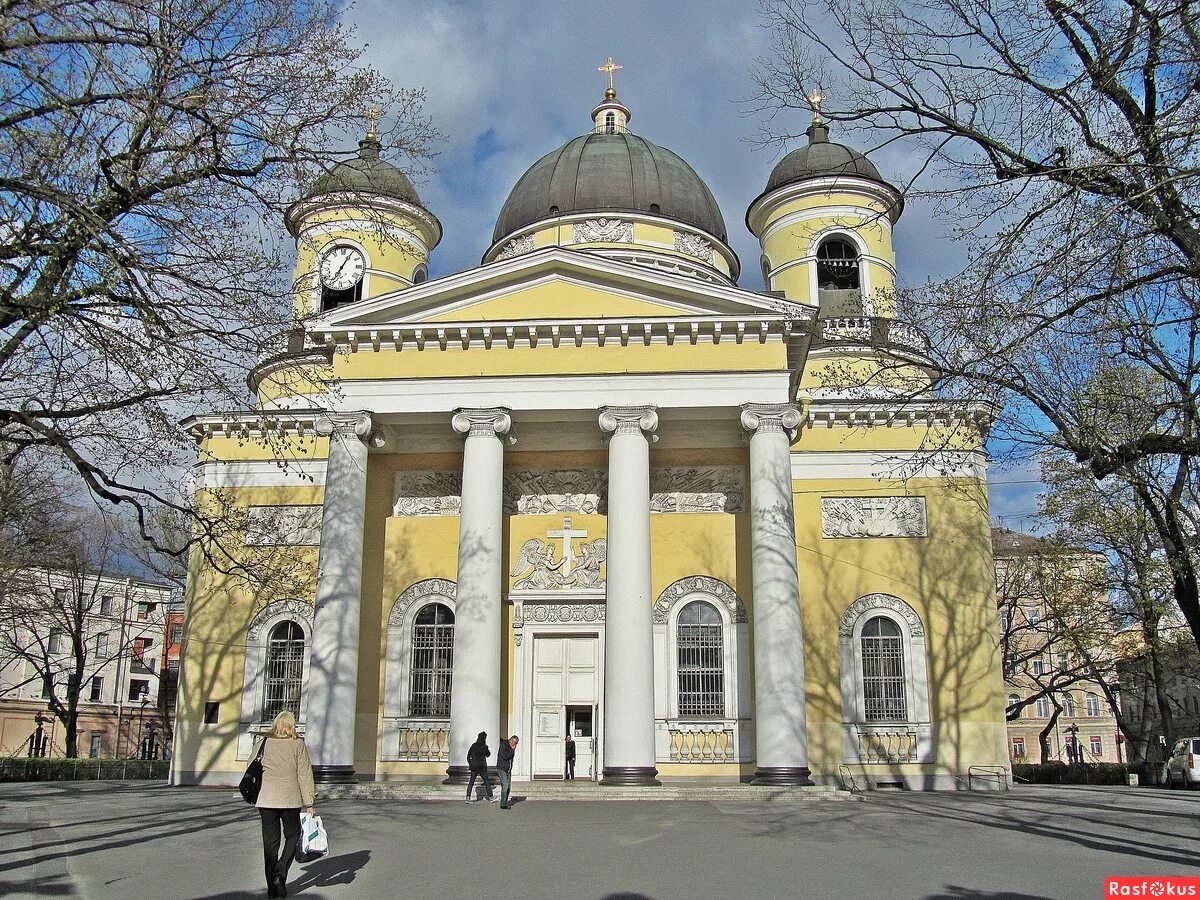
x=824, y=223
x=361, y=231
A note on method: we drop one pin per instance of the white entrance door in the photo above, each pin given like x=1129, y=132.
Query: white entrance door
x=564, y=675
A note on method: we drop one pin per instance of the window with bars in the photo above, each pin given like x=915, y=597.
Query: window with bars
x=700, y=639
x=837, y=265
x=285, y=670
x=885, y=694
x=432, y=662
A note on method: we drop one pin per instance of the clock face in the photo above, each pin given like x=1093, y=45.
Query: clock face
x=342, y=267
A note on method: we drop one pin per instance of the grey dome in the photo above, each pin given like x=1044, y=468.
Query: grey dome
x=606, y=173
x=367, y=173
x=819, y=159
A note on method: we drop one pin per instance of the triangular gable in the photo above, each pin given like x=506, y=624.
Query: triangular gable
x=558, y=284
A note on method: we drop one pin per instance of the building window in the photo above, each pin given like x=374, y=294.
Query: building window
x=97, y=688
x=55, y=644
x=1039, y=668
x=1018, y=748
x=1005, y=621
x=47, y=687
x=1093, y=705
x=1069, y=705
x=432, y=662
x=285, y=670
x=837, y=265
x=176, y=634
x=884, y=689
x=102, y=644
x=1014, y=701
x=1097, y=745
x=700, y=648
x=94, y=749
x=212, y=712
x=145, y=610
x=1034, y=616
x=610, y=123
x=140, y=647
x=106, y=604
x=139, y=689
x=1042, y=708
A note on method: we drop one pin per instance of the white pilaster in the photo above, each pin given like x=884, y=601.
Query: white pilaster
x=629, y=637
x=333, y=663
x=475, y=689
x=780, y=727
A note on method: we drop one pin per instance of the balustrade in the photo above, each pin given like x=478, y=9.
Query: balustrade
x=695, y=742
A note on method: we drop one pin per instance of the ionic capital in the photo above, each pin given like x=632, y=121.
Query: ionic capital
x=629, y=419
x=764, y=417
x=345, y=424
x=493, y=422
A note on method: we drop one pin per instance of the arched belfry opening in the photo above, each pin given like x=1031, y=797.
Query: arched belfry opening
x=839, y=284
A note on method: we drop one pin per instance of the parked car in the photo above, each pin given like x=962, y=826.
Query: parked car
x=1183, y=765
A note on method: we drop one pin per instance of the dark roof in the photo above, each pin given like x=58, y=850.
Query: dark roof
x=367, y=173
x=1014, y=543
x=606, y=173
x=820, y=160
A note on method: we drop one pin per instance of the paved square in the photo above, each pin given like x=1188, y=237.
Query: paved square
x=113, y=840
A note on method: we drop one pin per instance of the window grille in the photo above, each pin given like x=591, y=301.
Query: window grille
x=285, y=670
x=884, y=688
x=432, y=662
x=701, y=660
x=837, y=265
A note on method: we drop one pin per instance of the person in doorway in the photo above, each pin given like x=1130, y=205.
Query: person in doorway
x=287, y=785
x=569, y=759
x=504, y=762
x=477, y=758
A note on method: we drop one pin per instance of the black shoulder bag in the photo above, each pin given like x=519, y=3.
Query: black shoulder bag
x=251, y=782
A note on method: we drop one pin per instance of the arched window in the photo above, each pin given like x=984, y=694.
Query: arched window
x=700, y=646
x=884, y=689
x=1042, y=708
x=285, y=670
x=1014, y=700
x=1069, y=705
x=420, y=275
x=1093, y=705
x=837, y=265
x=610, y=123
x=432, y=662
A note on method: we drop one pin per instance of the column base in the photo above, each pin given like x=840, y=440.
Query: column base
x=619, y=776
x=783, y=776
x=334, y=775
x=462, y=775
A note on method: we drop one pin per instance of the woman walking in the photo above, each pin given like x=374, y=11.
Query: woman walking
x=287, y=786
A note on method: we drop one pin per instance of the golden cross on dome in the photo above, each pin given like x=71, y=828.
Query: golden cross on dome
x=610, y=67
x=373, y=115
x=816, y=98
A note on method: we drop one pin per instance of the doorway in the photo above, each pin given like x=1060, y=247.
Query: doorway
x=565, y=694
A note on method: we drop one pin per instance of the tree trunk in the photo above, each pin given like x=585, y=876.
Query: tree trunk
x=1044, y=734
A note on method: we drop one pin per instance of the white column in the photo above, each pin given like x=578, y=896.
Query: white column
x=333, y=663
x=475, y=687
x=780, y=727
x=628, y=630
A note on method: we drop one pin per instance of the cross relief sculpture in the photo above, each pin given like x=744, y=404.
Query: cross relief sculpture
x=555, y=564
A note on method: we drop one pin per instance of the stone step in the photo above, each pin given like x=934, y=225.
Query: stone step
x=588, y=791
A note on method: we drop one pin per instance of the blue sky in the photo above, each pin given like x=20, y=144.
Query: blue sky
x=508, y=83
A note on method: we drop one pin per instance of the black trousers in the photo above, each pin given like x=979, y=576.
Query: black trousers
x=569, y=769
x=276, y=865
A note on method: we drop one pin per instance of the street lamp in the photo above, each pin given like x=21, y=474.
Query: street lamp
x=37, y=743
x=151, y=751
x=145, y=699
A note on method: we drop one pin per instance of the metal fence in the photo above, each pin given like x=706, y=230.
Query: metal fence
x=21, y=768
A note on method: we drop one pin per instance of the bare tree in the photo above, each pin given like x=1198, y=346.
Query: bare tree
x=147, y=151
x=68, y=622
x=1061, y=139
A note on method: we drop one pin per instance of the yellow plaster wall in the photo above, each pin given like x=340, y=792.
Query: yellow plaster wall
x=867, y=369
x=657, y=238
x=558, y=299
x=283, y=447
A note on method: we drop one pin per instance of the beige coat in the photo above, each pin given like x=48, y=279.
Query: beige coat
x=287, y=775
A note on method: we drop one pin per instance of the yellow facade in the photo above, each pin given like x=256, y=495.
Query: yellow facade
x=875, y=520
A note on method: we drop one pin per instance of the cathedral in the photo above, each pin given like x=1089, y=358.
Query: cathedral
x=598, y=486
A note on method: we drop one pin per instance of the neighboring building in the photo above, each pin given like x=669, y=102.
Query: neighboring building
x=1041, y=594
x=505, y=547
x=1181, y=663
x=121, y=637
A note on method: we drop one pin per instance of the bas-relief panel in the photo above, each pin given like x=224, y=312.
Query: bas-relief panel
x=293, y=526
x=873, y=517
x=680, y=489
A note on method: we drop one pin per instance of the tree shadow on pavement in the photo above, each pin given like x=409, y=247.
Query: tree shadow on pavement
x=954, y=892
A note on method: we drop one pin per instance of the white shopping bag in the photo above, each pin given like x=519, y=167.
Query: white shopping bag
x=314, y=842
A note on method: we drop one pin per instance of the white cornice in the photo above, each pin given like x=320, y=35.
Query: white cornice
x=888, y=466
x=556, y=333
x=300, y=210
x=765, y=206
x=852, y=414
x=250, y=423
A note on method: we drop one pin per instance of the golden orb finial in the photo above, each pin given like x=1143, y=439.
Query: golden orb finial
x=373, y=114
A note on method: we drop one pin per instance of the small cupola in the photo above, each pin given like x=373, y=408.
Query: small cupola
x=611, y=115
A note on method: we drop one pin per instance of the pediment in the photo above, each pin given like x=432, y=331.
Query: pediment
x=558, y=285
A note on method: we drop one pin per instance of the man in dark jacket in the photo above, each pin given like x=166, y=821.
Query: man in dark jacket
x=477, y=758
x=569, y=760
x=504, y=760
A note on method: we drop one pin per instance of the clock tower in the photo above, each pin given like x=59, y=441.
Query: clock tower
x=361, y=231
